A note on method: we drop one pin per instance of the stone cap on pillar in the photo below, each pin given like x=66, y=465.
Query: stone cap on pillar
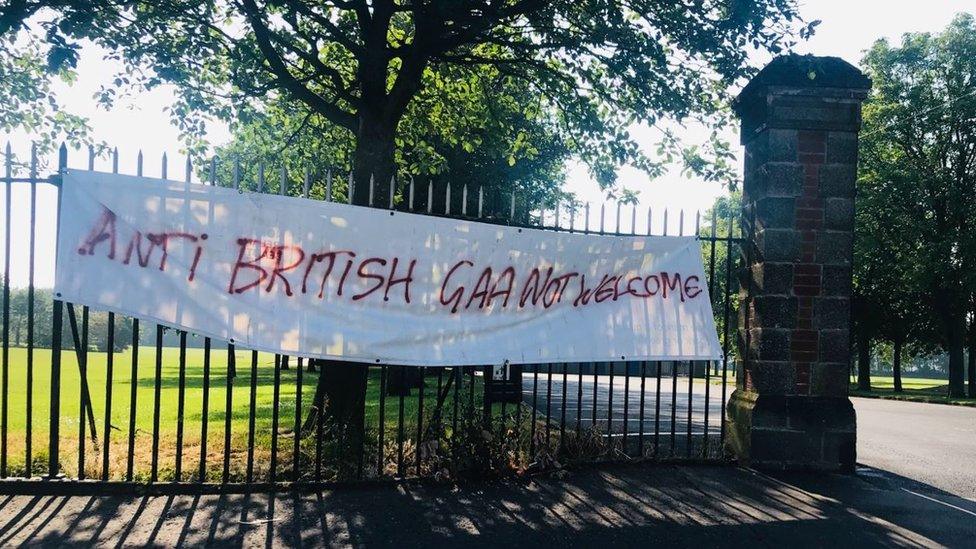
x=785, y=94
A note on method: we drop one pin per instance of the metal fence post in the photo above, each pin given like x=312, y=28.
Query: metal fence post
x=53, y=465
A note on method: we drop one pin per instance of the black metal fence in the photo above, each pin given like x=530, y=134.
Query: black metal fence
x=95, y=396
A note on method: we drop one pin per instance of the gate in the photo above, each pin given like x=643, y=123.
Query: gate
x=92, y=396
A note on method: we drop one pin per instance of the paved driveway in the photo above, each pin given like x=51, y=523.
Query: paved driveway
x=933, y=444
x=582, y=392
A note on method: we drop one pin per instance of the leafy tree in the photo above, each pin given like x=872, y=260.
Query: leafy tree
x=726, y=215
x=596, y=67
x=97, y=324
x=487, y=134
x=26, y=79
x=917, y=161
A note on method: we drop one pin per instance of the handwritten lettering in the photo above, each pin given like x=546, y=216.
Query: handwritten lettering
x=293, y=270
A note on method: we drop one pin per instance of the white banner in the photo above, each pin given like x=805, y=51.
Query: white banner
x=326, y=280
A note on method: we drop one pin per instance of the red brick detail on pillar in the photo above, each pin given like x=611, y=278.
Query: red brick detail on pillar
x=809, y=216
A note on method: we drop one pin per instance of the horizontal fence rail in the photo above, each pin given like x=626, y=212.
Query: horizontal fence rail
x=91, y=395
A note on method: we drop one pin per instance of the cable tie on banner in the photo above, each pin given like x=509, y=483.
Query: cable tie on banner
x=503, y=368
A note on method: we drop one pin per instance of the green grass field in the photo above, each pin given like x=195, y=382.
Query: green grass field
x=120, y=388
x=913, y=389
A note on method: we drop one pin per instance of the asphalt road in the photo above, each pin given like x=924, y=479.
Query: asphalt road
x=934, y=444
x=930, y=444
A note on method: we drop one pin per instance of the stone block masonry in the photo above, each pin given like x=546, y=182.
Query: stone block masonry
x=800, y=117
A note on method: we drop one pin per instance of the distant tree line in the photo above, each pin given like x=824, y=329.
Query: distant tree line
x=43, y=325
x=915, y=243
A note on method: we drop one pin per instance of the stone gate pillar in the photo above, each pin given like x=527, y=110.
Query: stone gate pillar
x=800, y=118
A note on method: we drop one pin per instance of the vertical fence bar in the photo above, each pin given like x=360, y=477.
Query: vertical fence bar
x=674, y=371
x=109, y=365
x=133, y=386
x=57, y=318
x=382, y=421
x=361, y=441
x=708, y=366
x=579, y=367
x=535, y=406
x=204, y=412
x=660, y=365
x=486, y=402
x=319, y=426
x=4, y=384
x=402, y=390
x=30, y=313
x=674, y=405
x=55, y=401
x=725, y=319
x=133, y=376
x=157, y=381
x=205, y=404
x=562, y=413
x=231, y=364
x=657, y=409
x=83, y=394
x=456, y=373
x=691, y=364
x=82, y=387
x=643, y=374
x=548, y=403
x=275, y=406
x=252, y=405
x=691, y=379
x=228, y=406
x=511, y=208
x=297, y=451
x=471, y=392
x=180, y=403
x=640, y=421
x=596, y=366
x=420, y=418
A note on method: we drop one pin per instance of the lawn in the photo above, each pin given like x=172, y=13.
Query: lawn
x=71, y=411
x=914, y=389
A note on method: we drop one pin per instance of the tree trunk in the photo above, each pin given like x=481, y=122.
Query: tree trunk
x=373, y=161
x=864, y=364
x=341, y=389
x=896, y=363
x=400, y=379
x=956, y=338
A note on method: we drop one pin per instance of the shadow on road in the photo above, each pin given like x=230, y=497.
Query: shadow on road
x=619, y=505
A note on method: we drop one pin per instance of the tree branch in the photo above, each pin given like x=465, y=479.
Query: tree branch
x=289, y=82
